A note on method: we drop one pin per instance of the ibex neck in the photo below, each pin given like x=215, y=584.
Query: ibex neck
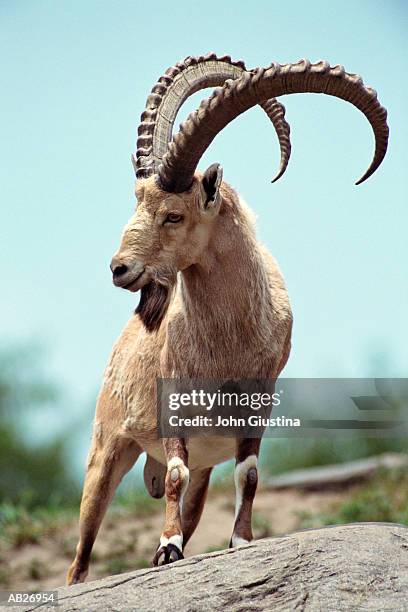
x=227, y=289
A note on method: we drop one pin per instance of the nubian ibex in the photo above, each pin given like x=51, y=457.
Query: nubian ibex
x=213, y=303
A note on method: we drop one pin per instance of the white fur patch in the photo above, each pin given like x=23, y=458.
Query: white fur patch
x=175, y=462
x=176, y=540
x=237, y=541
x=240, y=474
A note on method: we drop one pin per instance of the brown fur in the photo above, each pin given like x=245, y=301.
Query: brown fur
x=221, y=311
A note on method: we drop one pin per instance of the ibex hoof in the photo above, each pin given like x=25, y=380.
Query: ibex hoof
x=167, y=554
x=76, y=575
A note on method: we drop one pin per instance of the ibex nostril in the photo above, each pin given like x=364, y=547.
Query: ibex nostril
x=119, y=270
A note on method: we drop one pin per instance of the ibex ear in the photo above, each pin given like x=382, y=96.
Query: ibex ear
x=210, y=187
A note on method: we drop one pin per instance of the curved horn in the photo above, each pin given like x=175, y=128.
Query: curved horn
x=172, y=90
x=197, y=132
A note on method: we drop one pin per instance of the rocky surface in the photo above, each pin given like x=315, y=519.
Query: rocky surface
x=348, y=567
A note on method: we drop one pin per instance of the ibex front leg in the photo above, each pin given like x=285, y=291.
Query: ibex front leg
x=109, y=460
x=246, y=481
x=171, y=540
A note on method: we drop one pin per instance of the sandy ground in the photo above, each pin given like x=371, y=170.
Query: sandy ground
x=127, y=542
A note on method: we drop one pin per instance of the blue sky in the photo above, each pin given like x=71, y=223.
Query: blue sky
x=74, y=79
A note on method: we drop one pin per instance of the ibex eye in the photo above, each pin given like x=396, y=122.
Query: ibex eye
x=173, y=218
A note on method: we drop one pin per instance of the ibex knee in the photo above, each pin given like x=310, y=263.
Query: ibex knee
x=177, y=478
x=252, y=476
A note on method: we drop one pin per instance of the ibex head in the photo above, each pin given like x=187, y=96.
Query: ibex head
x=177, y=208
x=167, y=233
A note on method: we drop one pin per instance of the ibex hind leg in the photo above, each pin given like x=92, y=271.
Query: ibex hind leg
x=108, y=463
x=246, y=481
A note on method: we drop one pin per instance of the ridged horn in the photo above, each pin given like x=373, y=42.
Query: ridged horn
x=172, y=90
x=235, y=97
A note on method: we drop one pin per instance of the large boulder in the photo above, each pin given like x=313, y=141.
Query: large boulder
x=347, y=567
